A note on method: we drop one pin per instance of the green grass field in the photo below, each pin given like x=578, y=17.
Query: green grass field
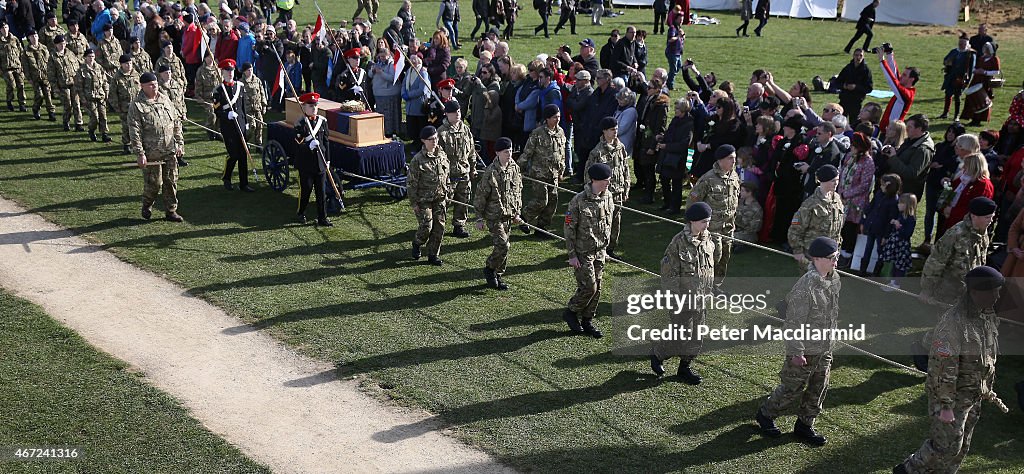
x=496, y=367
x=60, y=391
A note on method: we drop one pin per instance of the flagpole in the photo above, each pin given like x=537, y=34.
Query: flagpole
x=241, y=133
x=327, y=26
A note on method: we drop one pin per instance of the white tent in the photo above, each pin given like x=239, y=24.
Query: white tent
x=805, y=8
x=902, y=12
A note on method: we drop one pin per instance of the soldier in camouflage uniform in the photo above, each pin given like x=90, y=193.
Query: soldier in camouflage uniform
x=35, y=59
x=687, y=268
x=207, y=79
x=588, y=227
x=124, y=88
x=821, y=214
x=61, y=71
x=963, y=247
x=77, y=43
x=814, y=302
x=141, y=62
x=961, y=374
x=109, y=51
x=154, y=130
x=50, y=31
x=429, y=191
x=168, y=57
x=498, y=202
x=612, y=152
x=10, y=66
x=749, y=214
x=175, y=91
x=543, y=159
x=720, y=188
x=91, y=83
x=457, y=142
x=255, y=104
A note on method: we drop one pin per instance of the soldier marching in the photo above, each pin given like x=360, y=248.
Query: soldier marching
x=498, y=201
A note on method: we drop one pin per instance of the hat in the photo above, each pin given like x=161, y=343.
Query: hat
x=108, y=27
x=608, y=122
x=822, y=247
x=31, y=31
x=244, y=27
x=451, y=106
x=147, y=77
x=860, y=140
x=309, y=98
x=587, y=42
x=550, y=110
x=583, y=75
x=125, y=58
x=58, y=39
x=984, y=278
x=165, y=43
x=187, y=18
x=242, y=18
x=599, y=172
x=71, y=21
x=698, y=211
x=503, y=143
x=982, y=206
x=49, y=16
x=445, y=83
x=133, y=39
x=228, y=64
x=427, y=132
x=724, y=151
x=89, y=52
x=826, y=173
x=164, y=68
x=796, y=123
x=353, y=52
x=245, y=67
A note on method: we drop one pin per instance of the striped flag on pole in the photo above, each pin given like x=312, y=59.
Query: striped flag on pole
x=279, y=83
x=398, y=62
x=319, y=30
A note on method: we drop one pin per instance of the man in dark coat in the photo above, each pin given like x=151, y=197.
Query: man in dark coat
x=823, y=151
x=854, y=83
x=600, y=104
x=864, y=25
x=625, y=54
x=608, y=50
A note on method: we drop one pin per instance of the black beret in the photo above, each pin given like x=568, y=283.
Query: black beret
x=608, y=122
x=503, y=143
x=984, y=278
x=427, y=132
x=133, y=39
x=451, y=106
x=599, y=172
x=826, y=173
x=165, y=43
x=71, y=21
x=724, y=151
x=147, y=77
x=245, y=67
x=796, y=123
x=822, y=247
x=698, y=211
x=982, y=206
x=107, y=27
x=31, y=31
x=164, y=68
x=58, y=39
x=125, y=58
x=49, y=15
x=89, y=52
x=550, y=110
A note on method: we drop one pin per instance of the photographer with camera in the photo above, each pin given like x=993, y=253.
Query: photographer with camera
x=903, y=85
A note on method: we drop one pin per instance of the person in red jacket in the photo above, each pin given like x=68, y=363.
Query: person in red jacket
x=903, y=86
x=227, y=44
x=972, y=182
x=191, y=37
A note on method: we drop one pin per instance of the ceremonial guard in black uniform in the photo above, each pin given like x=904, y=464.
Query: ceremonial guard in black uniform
x=229, y=105
x=352, y=80
x=311, y=157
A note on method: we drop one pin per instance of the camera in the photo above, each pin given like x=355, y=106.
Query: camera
x=887, y=47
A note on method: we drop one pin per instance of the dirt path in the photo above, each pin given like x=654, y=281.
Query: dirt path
x=280, y=408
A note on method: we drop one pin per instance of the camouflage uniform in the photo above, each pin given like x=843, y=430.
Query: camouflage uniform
x=123, y=91
x=588, y=227
x=749, y=218
x=61, y=71
x=142, y=63
x=35, y=59
x=614, y=155
x=154, y=130
x=48, y=33
x=175, y=91
x=498, y=200
x=813, y=301
x=959, y=250
x=207, y=79
x=721, y=191
x=961, y=373
x=108, y=54
x=429, y=190
x=255, y=105
x=177, y=69
x=76, y=43
x=687, y=268
x=543, y=159
x=91, y=83
x=819, y=215
x=10, y=65
x=457, y=142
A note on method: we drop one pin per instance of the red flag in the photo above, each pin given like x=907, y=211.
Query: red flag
x=319, y=31
x=279, y=83
x=398, y=62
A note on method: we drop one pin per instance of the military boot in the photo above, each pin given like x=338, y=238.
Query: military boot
x=900, y=469
x=173, y=217
x=106, y=138
x=147, y=212
x=182, y=163
x=489, y=275
x=589, y=329
x=501, y=283
x=767, y=425
x=524, y=229
x=687, y=375
x=92, y=135
x=35, y=115
x=21, y=108
x=807, y=433
x=125, y=150
x=416, y=251
x=657, y=366
x=51, y=117
x=67, y=127
x=573, y=321
x=460, y=232
x=10, y=106
x=435, y=260
x=79, y=128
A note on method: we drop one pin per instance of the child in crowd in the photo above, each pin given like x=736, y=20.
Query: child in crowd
x=293, y=68
x=877, y=216
x=748, y=172
x=749, y=214
x=896, y=247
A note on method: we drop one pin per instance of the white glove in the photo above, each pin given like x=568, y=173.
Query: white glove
x=313, y=144
x=357, y=90
x=232, y=115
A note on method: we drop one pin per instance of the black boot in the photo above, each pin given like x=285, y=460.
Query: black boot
x=687, y=375
x=51, y=117
x=106, y=138
x=435, y=260
x=899, y=469
x=79, y=128
x=92, y=135
x=919, y=355
x=21, y=108
x=323, y=222
x=489, y=276
x=182, y=163
x=228, y=186
x=524, y=229
x=10, y=106
x=460, y=232
x=657, y=366
x=573, y=321
x=35, y=115
x=125, y=149
x=415, y=251
x=301, y=218
x=767, y=425
x=67, y=127
x=807, y=434
x=589, y=329
x=501, y=283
